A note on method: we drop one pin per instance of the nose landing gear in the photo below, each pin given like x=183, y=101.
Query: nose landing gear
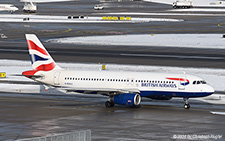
x=186, y=104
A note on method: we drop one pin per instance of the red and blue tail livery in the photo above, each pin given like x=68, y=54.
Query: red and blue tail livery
x=40, y=58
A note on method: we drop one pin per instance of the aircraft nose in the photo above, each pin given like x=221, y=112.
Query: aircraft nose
x=209, y=89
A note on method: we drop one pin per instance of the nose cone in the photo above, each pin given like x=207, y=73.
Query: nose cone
x=209, y=89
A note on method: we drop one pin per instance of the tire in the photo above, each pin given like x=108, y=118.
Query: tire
x=186, y=106
x=109, y=104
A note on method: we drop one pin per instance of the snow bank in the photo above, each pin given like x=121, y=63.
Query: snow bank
x=168, y=40
x=199, y=10
x=164, y=14
x=84, y=19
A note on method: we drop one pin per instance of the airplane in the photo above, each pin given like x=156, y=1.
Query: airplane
x=8, y=7
x=123, y=88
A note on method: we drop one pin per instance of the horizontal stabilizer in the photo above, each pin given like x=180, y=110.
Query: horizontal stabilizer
x=30, y=74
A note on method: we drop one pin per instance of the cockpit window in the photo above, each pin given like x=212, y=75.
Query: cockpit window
x=197, y=82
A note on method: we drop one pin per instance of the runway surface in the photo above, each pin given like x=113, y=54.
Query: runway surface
x=47, y=115
x=162, y=56
x=24, y=116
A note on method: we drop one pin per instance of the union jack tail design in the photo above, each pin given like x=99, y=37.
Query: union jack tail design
x=40, y=58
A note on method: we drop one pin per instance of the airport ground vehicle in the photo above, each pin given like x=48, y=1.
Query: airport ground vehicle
x=30, y=7
x=98, y=7
x=183, y=4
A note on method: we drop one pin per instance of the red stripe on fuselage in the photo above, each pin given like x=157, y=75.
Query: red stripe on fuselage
x=32, y=45
x=178, y=79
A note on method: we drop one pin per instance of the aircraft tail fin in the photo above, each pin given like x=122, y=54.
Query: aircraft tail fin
x=40, y=58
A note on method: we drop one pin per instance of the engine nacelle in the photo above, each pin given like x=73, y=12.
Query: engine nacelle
x=129, y=99
x=160, y=97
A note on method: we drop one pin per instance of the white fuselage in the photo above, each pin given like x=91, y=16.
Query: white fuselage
x=145, y=83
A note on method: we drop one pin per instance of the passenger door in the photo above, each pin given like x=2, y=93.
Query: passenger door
x=56, y=78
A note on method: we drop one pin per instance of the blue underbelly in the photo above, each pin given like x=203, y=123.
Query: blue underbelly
x=174, y=94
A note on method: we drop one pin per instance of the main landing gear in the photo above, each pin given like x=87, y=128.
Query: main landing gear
x=186, y=104
x=109, y=104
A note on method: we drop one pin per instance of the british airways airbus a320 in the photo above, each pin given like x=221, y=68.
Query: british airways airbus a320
x=123, y=88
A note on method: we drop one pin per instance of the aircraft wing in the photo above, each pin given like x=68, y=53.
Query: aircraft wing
x=103, y=91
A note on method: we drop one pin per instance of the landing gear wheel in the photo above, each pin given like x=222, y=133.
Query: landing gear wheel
x=109, y=104
x=186, y=106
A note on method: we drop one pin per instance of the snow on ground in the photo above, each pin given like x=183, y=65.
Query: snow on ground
x=77, y=19
x=162, y=14
x=199, y=10
x=168, y=40
x=196, y=3
x=169, y=2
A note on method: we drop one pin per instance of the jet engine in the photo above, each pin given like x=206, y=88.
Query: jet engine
x=129, y=99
